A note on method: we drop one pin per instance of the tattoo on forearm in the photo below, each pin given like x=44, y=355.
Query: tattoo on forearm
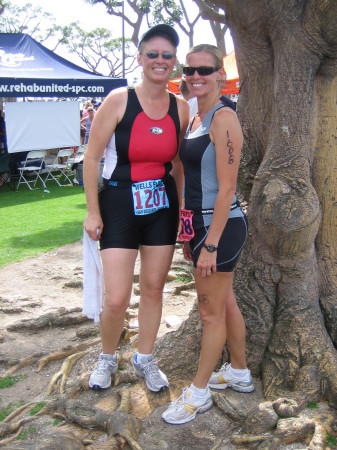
x=203, y=299
x=230, y=149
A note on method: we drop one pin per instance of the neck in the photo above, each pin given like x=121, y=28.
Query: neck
x=205, y=104
x=152, y=91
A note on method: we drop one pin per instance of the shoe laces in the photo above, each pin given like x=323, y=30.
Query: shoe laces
x=225, y=368
x=103, y=364
x=151, y=369
x=184, y=398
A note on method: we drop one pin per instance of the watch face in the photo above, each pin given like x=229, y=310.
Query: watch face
x=210, y=248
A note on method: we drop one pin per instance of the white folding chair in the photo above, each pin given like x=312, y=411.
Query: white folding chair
x=58, y=169
x=78, y=157
x=32, y=168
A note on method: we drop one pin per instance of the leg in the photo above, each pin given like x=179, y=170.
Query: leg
x=155, y=264
x=213, y=293
x=236, y=333
x=118, y=268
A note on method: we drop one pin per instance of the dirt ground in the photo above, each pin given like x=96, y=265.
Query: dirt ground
x=40, y=313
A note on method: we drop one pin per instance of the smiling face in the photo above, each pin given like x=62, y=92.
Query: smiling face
x=197, y=84
x=154, y=57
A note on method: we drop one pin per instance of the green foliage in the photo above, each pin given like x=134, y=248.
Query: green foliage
x=25, y=19
x=331, y=440
x=57, y=422
x=37, y=408
x=4, y=412
x=312, y=405
x=184, y=278
x=34, y=222
x=7, y=382
x=24, y=435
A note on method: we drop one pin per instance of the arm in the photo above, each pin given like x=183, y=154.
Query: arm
x=226, y=133
x=103, y=127
x=177, y=168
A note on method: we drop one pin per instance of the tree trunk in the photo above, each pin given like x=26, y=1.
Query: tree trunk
x=286, y=279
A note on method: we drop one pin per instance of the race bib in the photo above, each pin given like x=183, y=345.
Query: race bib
x=186, y=230
x=149, y=196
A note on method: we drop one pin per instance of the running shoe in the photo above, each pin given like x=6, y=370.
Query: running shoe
x=187, y=406
x=101, y=376
x=155, y=379
x=226, y=379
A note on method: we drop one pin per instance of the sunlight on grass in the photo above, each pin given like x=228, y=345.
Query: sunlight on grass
x=33, y=222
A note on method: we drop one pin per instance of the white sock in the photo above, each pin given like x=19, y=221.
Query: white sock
x=240, y=373
x=109, y=355
x=142, y=357
x=199, y=391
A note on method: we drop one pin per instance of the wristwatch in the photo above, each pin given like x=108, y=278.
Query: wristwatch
x=210, y=248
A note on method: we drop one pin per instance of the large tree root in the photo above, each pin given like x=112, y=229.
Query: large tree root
x=60, y=318
x=56, y=356
x=64, y=372
x=271, y=425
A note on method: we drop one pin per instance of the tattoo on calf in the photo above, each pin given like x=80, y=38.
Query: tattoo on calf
x=203, y=299
x=230, y=149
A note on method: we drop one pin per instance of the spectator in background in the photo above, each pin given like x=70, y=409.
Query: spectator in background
x=88, y=105
x=88, y=122
x=83, y=127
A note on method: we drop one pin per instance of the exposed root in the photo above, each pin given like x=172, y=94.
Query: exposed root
x=18, y=412
x=11, y=439
x=63, y=354
x=126, y=376
x=22, y=363
x=66, y=367
x=10, y=428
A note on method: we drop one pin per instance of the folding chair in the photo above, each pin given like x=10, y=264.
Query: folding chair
x=32, y=167
x=78, y=158
x=60, y=168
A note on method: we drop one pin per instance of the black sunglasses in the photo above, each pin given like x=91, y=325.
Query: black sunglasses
x=202, y=70
x=154, y=55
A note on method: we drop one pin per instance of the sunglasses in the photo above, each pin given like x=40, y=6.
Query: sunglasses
x=154, y=55
x=202, y=70
x=90, y=110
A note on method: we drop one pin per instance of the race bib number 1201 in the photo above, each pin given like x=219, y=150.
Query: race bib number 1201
x=149, y=196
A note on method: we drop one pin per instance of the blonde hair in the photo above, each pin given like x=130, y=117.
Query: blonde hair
x=210, y=49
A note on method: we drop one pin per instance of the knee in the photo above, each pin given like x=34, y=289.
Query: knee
x=114, y=307
x=152, y=292
x=209, y=316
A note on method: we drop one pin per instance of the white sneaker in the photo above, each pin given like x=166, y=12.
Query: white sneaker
x=187, y=406
x=155, y=379
x=101, y=376
x=226, y=379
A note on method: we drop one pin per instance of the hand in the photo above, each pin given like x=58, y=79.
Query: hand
x=93, y=225
x=187, y=251
x=206, y=264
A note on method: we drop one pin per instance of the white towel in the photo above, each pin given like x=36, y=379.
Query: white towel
x=92, y=279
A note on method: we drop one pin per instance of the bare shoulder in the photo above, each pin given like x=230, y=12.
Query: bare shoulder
x=114, y=104
x=226, y=123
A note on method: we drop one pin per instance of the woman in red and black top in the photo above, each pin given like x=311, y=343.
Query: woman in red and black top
x=138, y=209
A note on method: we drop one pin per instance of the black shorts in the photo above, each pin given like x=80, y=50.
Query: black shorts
x=229, y=247
x=123, y=229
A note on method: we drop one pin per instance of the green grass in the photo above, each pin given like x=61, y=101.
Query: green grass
x=4, y=412
x=33, y=222
x=7, y=382
x=331, y=440
x=37, y=408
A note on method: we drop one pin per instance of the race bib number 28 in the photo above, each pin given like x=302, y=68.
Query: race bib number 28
x=186, y=230
x=149, y=196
